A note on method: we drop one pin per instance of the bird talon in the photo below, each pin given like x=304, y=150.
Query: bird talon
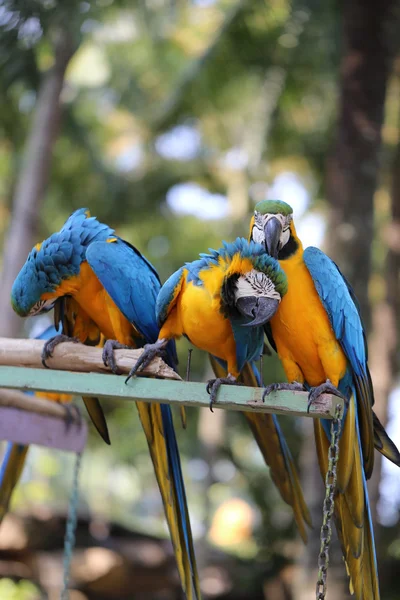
x=295, y=386
x=213, y=386
x=268, y=389
x=150, y=351
x=49, y=346
x=109, y=357
x=325, y=388
x=209, y=385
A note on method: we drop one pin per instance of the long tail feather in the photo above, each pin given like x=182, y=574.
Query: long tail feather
x=273, y=447
x=352, y=512
x=159, y=430
x=96, y=414
x=10, y=472
x=383, y=443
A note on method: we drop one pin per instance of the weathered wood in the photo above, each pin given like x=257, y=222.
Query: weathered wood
x=75, y=357
x=41, y=406
x=239, y=398
x=22, y=427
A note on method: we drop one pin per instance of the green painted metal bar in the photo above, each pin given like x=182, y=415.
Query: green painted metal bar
x=238, y=398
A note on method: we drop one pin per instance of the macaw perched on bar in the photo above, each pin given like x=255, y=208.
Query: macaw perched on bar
x=15, y=454
x=101, y=284
x=220, y=304
x=319, y=336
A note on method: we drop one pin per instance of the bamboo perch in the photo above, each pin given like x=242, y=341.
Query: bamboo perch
x=76, y=357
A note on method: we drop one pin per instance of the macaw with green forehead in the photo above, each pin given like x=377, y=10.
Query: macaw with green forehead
x=220, y=303
x=319, y=336
x=101, y=285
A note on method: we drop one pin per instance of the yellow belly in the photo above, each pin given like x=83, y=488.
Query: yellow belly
x=102, y=309
x=302, y=331
x=91, y=296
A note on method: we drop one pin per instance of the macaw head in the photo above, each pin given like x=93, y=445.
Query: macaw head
x=272, y=226
x=253, y=285
x=35, y=288
x=53, y=263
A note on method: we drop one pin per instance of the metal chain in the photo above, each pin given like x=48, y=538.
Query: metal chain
x=69, y=540
x=330, y=488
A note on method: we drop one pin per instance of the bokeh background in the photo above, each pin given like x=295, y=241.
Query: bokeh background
x=170, y=119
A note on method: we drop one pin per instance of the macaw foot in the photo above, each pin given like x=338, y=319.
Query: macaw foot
x=108, y=354
x=72, y=415
x=295, y=386
x=325, y=388
x=213, y=386
x=150, y=351
x=49, y=346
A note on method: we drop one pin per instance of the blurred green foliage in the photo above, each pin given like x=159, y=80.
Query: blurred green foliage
x=244, y=83
x=21, y=590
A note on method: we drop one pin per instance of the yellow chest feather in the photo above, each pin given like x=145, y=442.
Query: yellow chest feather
x=302, y=331
x=197, y=315
x=88, y=292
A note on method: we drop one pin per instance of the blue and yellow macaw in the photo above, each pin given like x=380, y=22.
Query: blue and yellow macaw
x=15, y=454
x=220, y=303
x=318, y=334
x=102, y=285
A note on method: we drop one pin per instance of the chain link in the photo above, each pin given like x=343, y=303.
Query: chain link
x=330, y=488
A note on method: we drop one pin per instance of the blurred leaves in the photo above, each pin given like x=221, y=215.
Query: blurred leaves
x=254, y=82
x=21, y=590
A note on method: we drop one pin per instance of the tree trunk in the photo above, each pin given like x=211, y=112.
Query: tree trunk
x=352, y=170
x=32, y=180
x=385, y=335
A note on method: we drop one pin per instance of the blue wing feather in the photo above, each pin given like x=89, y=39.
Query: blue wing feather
x=133, y=284
x=167, y=295
x=127, y=278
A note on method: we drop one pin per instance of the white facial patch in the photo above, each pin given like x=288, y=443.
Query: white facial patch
x=41, y=306
x=260, y=222
x=257, y=285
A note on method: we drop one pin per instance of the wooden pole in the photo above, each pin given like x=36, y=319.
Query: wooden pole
x=40, y=406
x=75, y=357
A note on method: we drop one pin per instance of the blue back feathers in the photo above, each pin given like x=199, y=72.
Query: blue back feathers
x=58, y=258
x=166, y=295
x=339, y=305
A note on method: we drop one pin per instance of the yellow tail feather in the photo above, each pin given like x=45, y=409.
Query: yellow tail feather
x=96, y=414
x=351, y=508
x=347, y=445
x=151, y=419
x=282, y=468
x=13, y=470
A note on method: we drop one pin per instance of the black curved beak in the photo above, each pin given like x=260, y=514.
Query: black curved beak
x=272, y=232
x=260, y=310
